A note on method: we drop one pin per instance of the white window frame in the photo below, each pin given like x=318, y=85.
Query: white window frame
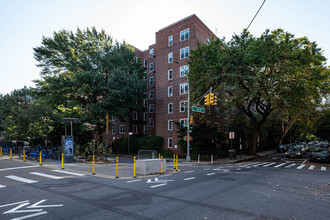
x=135, y=115
x=145, y=103
x=225, y=128
x=184, y=121
x=145, y=116
x=151, y=80
x=151, y=108
x=151, y=67
x=185, y=34
x=145, y=129
x=151, y=52
x=170, y=142
x=183, y=106
x=113, y=118
x=170, y=108
x=184, y=53
x=183, y=88
x=151, y=94
x=217, y=125
x=151, y=122
x=170, y=73
x=113, y=129
x=170, y=40
x=135, y=129
x=122, y=129
x=170, y=57
x=170, y=125
x=145, y=62
x=184, y=70
x=170, y=91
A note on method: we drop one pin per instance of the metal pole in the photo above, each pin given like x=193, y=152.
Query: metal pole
x=188, y=123
x=71, y=129
x=231, y=149
x=65, y=128
x=128, y=145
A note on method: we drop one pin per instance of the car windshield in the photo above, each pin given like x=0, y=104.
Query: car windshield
x=293, y=150
x=320, y=150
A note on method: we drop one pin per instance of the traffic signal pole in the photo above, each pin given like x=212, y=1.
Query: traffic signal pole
x=188, y=123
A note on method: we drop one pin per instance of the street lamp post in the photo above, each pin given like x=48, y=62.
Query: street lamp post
x=188, y=122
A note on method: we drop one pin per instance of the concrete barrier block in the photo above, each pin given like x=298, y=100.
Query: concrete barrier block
x=149, y=166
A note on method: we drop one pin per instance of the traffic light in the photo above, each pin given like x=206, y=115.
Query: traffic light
x=207, y=99
x=211, y=98
x=191, y=119
x=215, y=101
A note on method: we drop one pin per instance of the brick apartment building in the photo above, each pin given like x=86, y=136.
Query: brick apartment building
x=166, y=95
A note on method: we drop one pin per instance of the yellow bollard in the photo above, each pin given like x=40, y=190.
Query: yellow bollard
x=134, y=176
x=93, y=173
x=173, y=161
x=161, y=165
x=62, y=161
x=24, y=155
x=117, y=167
x=40, y=158
x=0, y=151
x=176, y=162
x=159, y=156
x=11, y=154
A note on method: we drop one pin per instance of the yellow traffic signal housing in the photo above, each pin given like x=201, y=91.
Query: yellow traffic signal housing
x=215, y=101
x=211, y=98
x=207, y=99
x=191, y=119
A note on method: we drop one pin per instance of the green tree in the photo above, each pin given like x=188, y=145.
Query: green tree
x=86, y=70
x=260, y=74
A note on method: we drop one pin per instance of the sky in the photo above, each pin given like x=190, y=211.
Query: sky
x=24, y=22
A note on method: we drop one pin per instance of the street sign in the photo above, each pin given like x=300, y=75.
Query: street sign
x=198, y=109
x=231, y=135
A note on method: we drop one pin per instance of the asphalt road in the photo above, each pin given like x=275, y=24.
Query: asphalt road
x=259, y=189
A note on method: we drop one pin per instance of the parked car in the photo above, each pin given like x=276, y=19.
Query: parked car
x=281, y=148
x=294, y=152
x=302, y=148
x=320, y=154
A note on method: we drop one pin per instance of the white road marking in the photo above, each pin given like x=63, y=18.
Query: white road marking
x=149, y=181
x=291, y=165
x=267, y=165
x=17, y=168
x=260, y=164
x=301, y=166
x=30, y=216
x=190, y=171
x=21, y=179
x=311, y=167
x=190, y=178
x=46, y=175
x=2, y=186
x=207, y=169
x=238, y=168
x=209, y=174
x=132, y=181
x=16, y=203
x=277, y=166
x=154, y=186
x=70, y=173
x=36, y=205
x=323, y=168
x=166, y=175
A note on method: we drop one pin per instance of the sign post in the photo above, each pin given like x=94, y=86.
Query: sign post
x=231, y=137
x=129, y=134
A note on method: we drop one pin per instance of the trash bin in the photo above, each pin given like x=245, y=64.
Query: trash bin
x=232, y=154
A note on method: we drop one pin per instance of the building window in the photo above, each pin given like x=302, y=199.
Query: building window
x=151, y=94
x=170, y=74
x=151, y=52
x=145, y=116
x=151, y=80
x=184, y=70
x=183, y=88
x=233, y=110
x=145, y=129
x=208, y=123
x=113, y=118
x=184, y=35
x=170, y=91
x=170, y=40
x=184, y=53
x=151, y=108
x=217, y=126
x=225, y=128
x=113, y=129
x=183, y=106
x=170, y=125
x=135, y=129
x=170, y=142
x=217, y=112
x=151, y=122
x=145, y=62
x=145, y=103
x=225, y=114
x=135, y=115
x=122, y=129
x=170, y=108
x=184, y=121
x=151, y=67
x=170, y=57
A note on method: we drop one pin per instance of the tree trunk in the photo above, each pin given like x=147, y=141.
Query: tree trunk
x=253, y=147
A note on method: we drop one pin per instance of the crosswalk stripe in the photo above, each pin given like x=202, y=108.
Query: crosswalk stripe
x=2, y=186
x=260, y=164
x=311, y=167
x=291, y=165
x=190, y=178
x=267, y=165
x=280, y=165
x=209, y=174
x=66, y=172
x=21, y=179
x=323, y=168
x=249, y=164
x=301, y=166
x=46, y=175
